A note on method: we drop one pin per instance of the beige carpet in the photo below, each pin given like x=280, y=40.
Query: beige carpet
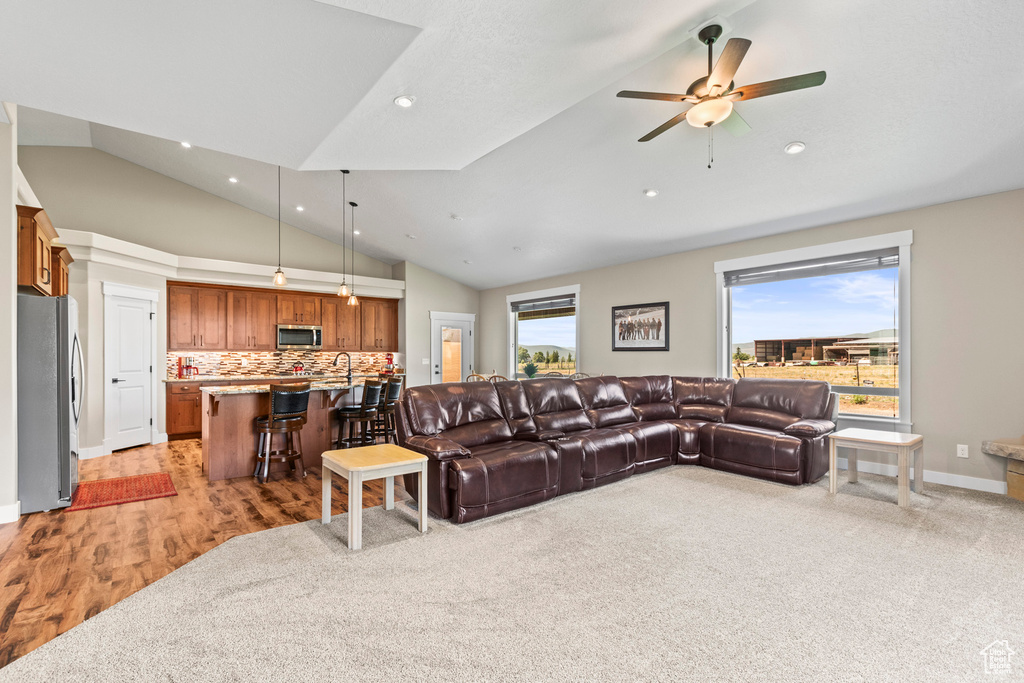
x=684, y=574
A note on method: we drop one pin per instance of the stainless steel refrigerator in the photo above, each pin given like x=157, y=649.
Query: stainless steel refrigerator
x=50, y=371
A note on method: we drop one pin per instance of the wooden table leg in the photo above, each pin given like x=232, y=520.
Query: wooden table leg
x=355, y=510
x=919, y=469
x=832, y=466
x=325, y=496
x=851, y=466
x=903, y=477
x=389, y=493
x=423, y=499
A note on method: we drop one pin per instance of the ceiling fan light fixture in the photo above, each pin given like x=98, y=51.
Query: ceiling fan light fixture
x=794, y=147
x=708, y=113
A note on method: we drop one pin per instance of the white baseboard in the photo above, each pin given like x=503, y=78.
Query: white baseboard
x=92, y=452
x=10, y=513
x=930, y=476
x=158, y=437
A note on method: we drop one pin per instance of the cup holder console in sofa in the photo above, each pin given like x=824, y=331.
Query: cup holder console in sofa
x=498, y=447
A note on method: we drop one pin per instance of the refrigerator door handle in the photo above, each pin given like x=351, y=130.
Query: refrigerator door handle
x=77, y=378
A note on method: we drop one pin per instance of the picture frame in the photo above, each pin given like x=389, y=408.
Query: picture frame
x=640, y=327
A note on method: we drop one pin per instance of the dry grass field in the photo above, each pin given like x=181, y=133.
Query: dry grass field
x=841, y=375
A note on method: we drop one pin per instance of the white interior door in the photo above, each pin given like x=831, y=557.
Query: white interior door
x=127, y=342
x=451, y=348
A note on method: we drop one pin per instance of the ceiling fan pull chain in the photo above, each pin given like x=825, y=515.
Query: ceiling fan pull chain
x=711, y=145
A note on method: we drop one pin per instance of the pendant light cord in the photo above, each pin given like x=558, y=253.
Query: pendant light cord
x=279, y=218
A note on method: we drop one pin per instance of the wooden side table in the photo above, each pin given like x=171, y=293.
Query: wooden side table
x=903, y=445
x=383, y=461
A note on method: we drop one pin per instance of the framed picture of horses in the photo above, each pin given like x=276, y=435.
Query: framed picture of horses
x=640, y=327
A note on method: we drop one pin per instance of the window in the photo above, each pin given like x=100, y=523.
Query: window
x=543, y=332
x=836, y=312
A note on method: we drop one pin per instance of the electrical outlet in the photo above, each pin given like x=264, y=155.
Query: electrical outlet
x=245, y=361
x=961, y=450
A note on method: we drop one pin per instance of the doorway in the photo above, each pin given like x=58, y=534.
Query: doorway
x=451, y=346
x=128, y=360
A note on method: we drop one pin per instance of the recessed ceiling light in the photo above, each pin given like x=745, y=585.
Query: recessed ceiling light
x=405, y=101
x=355, y=232
x=232, y=179
x=186, y=145
x=410, y=236
x=517, y=248
x=795, y=147
x=650, y=193
x=455, y=217
x=300, y=208
x=467, y=261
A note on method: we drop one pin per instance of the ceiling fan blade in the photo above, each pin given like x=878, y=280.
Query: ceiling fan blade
x=749, y=92
x=663, y=127
x=735, y=124
x=664, y=96
x=728, y=62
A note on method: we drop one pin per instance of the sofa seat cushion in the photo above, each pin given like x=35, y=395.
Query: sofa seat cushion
x=607, y=455
x=503, y=471
x=753, y=446
x=688, y=439
x=656, y=443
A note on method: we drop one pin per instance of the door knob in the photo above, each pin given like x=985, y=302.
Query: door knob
x=116, y=380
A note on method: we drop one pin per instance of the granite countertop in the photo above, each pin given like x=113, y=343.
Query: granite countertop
x=1007, y=448
x=323, y=385
x=263, y=378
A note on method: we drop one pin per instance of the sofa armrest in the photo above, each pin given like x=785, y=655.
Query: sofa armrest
x=543, y=435
x=810, y=428
x=437, y=448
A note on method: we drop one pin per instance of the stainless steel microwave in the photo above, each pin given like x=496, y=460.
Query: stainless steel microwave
x=299, y=337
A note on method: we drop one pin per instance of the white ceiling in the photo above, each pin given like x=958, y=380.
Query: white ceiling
x=516, y=127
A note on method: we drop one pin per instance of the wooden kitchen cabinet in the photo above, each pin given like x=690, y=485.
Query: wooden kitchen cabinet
x=298, y=309
x=35, y=260
x=379, y=321
x=184, y=417
x=196, y=319
x=251, y=321
x=61, y=261
x=340, y=324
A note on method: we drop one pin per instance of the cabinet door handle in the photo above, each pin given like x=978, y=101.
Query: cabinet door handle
x=47, y=271
x=193, y=340
x=201, y=340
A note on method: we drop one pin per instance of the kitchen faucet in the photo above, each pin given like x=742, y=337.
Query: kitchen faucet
x=348, y=375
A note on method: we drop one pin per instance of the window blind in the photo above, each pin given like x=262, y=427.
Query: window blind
x=554, y=307
x=848, y=263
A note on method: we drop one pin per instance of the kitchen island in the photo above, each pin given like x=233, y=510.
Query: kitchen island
x=229, y=425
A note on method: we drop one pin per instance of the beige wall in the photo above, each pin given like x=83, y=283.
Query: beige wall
x=85, y=189
x=8, y=317
x=966, y=319
x=426, y=291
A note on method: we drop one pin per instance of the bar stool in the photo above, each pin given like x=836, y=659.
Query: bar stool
x=359, y=418
x=384, y=426
x=288, y=404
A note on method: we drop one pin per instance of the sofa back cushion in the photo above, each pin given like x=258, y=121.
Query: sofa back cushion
x=516, y=406
x=604, y=401
x=468, y=413
x=778, y=403
x=650, y=396
x=555, y=404
x=703, y=398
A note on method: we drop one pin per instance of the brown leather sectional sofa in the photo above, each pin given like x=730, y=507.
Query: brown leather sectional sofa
x=498, y=447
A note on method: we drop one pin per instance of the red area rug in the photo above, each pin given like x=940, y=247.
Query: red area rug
x=103, y=492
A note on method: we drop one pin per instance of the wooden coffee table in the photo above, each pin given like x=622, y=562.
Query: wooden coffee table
x=903, y=445
x=383, y=461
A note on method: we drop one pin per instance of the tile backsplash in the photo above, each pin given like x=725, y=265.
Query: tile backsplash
x=230, y=363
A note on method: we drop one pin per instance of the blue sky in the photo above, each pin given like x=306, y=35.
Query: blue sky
x=553, y=331
x=814, y=307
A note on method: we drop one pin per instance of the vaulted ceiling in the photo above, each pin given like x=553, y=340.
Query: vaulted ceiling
x=516, y=138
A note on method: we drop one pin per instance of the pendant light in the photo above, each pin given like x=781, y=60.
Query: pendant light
x=279, y=279
x=352, y=300
x=343, y=290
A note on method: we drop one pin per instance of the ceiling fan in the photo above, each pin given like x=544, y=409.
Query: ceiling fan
x=713, y=96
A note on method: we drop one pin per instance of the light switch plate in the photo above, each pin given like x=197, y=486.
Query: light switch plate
x=426, y=361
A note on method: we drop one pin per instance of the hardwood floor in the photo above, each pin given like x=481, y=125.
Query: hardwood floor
x=58, y=568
